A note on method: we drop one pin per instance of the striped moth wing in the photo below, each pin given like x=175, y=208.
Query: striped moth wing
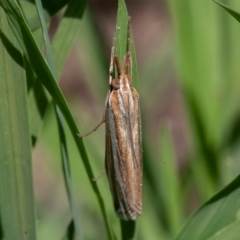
x=123, y=144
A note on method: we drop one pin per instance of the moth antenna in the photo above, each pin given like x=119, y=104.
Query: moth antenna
x=127, y=63
x=128, y=58
x=111, y=67
x=129, y=35
x=118, y=65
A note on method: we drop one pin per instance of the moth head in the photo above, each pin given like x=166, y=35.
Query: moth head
x=123, y=78
x=115, y=84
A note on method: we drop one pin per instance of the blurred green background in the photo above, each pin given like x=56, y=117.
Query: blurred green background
x=188, y=56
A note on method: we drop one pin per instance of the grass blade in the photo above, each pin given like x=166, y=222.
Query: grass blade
x=235, y=14
x=169, y=184
x=16, y=181
x=121, y=39
x=64, y=151
x=231, y=232
x=127, y=228
x=34, y=56
x=215, y=215
x=70, y=232
x=67, y=33
x=62, y=44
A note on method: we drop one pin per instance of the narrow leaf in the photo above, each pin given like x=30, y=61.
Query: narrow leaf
x=215, y=215
x=235, y=14
x=127, y=228
x=16, y=182
x=122, y=39
x=169, y=183
x=67, y=33
x=64, y=151
x=34, y=56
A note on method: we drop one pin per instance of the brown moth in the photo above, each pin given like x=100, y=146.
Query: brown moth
x=123, y=160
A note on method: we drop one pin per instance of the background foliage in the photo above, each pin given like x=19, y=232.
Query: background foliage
x=188, y=56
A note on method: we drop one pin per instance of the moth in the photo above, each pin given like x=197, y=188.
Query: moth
x=123, y=155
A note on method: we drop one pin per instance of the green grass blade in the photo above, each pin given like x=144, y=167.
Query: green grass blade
x=16, y=182
x=31, y=15
x=67, y=178
x=62, y=44
x=37, y=98
x=54, y=6
x=230, y=232
x=34, y=56
x=121, y=39
x=37, y=102
x=64, y=151
x=219, y=212
x=70, y=232
x=204, y=77
x=67, y=33
x=235, y=14
x=46, y=37
x=121, y=30
x=127, y=228
x=169, y=183
x=1, y=232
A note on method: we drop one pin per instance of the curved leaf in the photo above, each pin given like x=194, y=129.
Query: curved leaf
x=235, y=14
x=218, y=213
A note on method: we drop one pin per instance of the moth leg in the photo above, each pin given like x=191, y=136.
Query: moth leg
x=94, y=129
x=101, y=173
x=99, y=124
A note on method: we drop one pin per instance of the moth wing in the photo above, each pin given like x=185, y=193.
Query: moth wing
x=123, y=154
